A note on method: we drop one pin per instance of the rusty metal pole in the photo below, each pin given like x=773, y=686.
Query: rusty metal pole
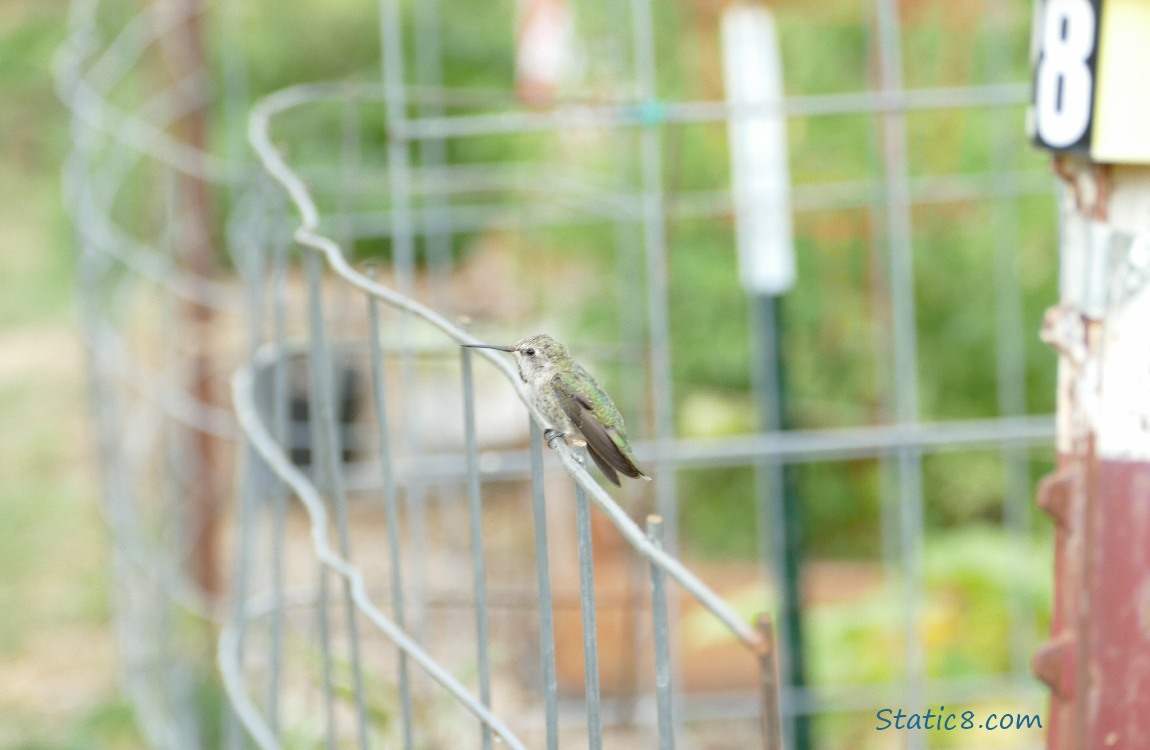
x=184, y=55
x=1090, y=58
x=771, y=716
x=1097, y=661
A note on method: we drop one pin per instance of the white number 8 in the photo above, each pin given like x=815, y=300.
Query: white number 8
x=1064, y=85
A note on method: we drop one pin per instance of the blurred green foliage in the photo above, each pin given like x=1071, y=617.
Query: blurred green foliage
x=971, y=574
x=977, y=579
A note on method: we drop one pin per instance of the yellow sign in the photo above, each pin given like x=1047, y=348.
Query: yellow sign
x=1092, y=78
x=1122, y=100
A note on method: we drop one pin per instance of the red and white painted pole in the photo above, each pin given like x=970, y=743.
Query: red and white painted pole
x=1091, y=106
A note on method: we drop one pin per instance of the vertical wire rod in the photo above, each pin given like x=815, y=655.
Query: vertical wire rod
x=316, y=447
x=587, y=606
x=281, y=431
x=655, y=239
x=391, y=511
x=403, y=263
x=543, y=579
x=478, y=567
x=332, y=462
x=257, y=481
x=662, y=645
x=654, y=218
x=432, y=153
x=324, y=633
x=1010, y=359
x=250, y=488
x=909, y=462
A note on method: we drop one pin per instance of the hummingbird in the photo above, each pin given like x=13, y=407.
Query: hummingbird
x=577, y=408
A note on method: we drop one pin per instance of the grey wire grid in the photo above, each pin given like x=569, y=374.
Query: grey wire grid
x=131, y=287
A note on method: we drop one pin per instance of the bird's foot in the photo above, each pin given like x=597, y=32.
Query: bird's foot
x=553, y=436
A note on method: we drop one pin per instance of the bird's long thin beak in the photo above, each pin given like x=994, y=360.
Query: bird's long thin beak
x=490, y=346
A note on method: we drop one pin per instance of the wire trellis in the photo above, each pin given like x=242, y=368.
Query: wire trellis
x=395, y=605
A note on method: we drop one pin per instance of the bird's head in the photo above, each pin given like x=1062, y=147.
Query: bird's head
x=536, y=355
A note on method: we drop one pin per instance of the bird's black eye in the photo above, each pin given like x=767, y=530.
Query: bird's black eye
x=529, y=352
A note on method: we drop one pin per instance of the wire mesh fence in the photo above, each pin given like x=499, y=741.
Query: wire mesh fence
x=404, y=556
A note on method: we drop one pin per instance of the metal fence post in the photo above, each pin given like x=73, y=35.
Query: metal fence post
x=1099, y=496
x=770, y=716
x=197, y=255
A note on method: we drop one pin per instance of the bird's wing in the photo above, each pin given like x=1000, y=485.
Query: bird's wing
x=608, y=456
x=604, y=467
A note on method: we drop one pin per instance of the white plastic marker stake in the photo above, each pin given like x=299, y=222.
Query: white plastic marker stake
x=546, y=54
x=753, y=76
